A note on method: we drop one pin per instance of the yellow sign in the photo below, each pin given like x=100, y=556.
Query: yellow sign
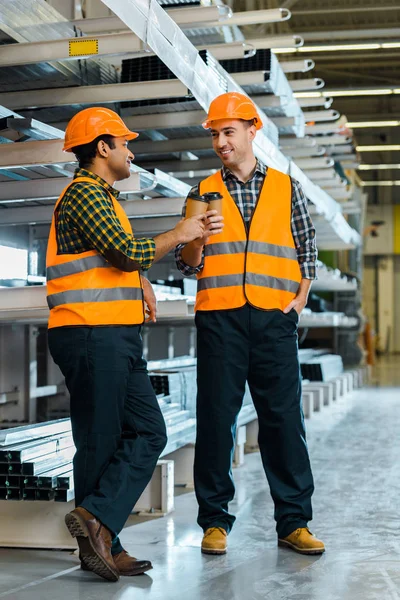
x=83, y=47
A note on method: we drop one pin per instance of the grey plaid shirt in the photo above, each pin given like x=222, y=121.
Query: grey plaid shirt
x=245, y=195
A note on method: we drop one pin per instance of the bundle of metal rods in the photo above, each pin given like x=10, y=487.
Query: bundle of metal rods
x=36, y=462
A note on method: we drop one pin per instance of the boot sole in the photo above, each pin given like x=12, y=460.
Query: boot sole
x=132, y=574
x=205, y=551
x=311, y=551
x=93, y=560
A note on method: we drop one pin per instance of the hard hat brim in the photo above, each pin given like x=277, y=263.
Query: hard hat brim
x=207, y=124
x=130, y=135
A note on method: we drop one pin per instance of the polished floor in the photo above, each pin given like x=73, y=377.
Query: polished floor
x=355, y=452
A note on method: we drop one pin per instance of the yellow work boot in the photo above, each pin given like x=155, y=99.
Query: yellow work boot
x=214, y=541
x=303, y=541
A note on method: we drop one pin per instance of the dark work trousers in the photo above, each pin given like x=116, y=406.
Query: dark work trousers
x=260, y=347
x=117, y=425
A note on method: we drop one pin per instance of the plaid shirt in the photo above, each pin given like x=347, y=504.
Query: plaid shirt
x=86, y=220
x=245, y=195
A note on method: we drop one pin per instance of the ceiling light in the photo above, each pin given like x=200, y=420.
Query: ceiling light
x=379, y=183
x=307, y=94
x=382, y=92
x=284, y=50
x=367, y=124
x=339, y=47
x=381, y=148
x=390, y=45
x=377, y=167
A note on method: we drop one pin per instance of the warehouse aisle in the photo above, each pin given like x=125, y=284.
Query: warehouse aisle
x=355, y=453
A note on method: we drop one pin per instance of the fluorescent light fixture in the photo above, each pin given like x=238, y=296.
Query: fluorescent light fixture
x=284, y=50
x=382, y=92
x=339, y=47
x=307, y=94
x=380, y=183
x=329, y=93
x=379, y=148
x=377, y=167
x=368, y=124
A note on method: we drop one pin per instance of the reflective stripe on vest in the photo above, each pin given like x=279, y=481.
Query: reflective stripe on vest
x=258, y=266
x=277, y=283
x=85, y=289
x=92, y=295
x=76, y=266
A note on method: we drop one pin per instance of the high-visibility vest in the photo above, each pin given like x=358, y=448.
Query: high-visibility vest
x=85, y=289
x=258, y=266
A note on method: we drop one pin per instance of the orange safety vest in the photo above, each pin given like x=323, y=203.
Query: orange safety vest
x=258, y=266
x=85, y=289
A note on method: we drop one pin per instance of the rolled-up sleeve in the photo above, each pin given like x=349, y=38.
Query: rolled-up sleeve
x=187, y=270
x=303, y=232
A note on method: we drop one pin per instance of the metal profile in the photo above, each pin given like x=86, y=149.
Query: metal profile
x=94, y=94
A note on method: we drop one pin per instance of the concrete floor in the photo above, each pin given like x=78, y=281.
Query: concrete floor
x=354, y=448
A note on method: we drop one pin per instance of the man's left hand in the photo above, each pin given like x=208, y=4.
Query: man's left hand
x=297, y=303
x=150, y=300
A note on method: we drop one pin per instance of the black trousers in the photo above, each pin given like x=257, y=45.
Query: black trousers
x=117, y=425
x=259, y=347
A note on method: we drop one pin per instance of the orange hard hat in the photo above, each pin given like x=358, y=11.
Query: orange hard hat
x=232, y=105
x=89, y=123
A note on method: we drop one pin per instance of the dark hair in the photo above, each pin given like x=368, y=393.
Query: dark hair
x=248, y=123
x=87, y=152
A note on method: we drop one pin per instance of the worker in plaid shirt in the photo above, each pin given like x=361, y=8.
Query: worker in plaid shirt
x=253, y=277
x=97, y=300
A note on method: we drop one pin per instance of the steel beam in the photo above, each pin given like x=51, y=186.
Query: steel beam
x=185, y=118
x=300, y=85
x=320, y=115
x=181, y=16
x=196, y=17
x=51, y=188
x=137, y=209
x=175, y=145
x=125, y=43
x=35, y=153
x=94, y=94
x=297, y=66
x=184, y=166
x=311, y=102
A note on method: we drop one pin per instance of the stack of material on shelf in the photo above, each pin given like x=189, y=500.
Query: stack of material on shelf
x=174, y=381
x=36, y=462
x=321, y=368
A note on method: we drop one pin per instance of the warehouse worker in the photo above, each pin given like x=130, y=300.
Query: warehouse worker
x=95, y=296
x=253, y=283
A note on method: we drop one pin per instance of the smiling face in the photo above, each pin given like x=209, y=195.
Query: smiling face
x=232, y=141
x=119, y=158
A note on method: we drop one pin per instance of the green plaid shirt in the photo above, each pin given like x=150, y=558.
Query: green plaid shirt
x=86, y=220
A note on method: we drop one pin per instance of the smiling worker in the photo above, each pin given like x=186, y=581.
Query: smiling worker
x=253, y=283
x=96, y=303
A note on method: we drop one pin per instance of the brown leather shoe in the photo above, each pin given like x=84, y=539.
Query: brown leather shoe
x=128, y=566
x=303, y=541
x=214, y=541
x=94, y=540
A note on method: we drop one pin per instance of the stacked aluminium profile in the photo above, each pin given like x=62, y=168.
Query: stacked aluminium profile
x=36, y=462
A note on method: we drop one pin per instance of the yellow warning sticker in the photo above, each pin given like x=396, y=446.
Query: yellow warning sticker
x=83, y=47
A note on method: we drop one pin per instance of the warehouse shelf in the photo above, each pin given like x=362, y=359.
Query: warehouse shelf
x=157, y=30
x=28, y=305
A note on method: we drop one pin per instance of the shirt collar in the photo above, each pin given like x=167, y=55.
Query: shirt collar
x=260, y=169
x=100, y=180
